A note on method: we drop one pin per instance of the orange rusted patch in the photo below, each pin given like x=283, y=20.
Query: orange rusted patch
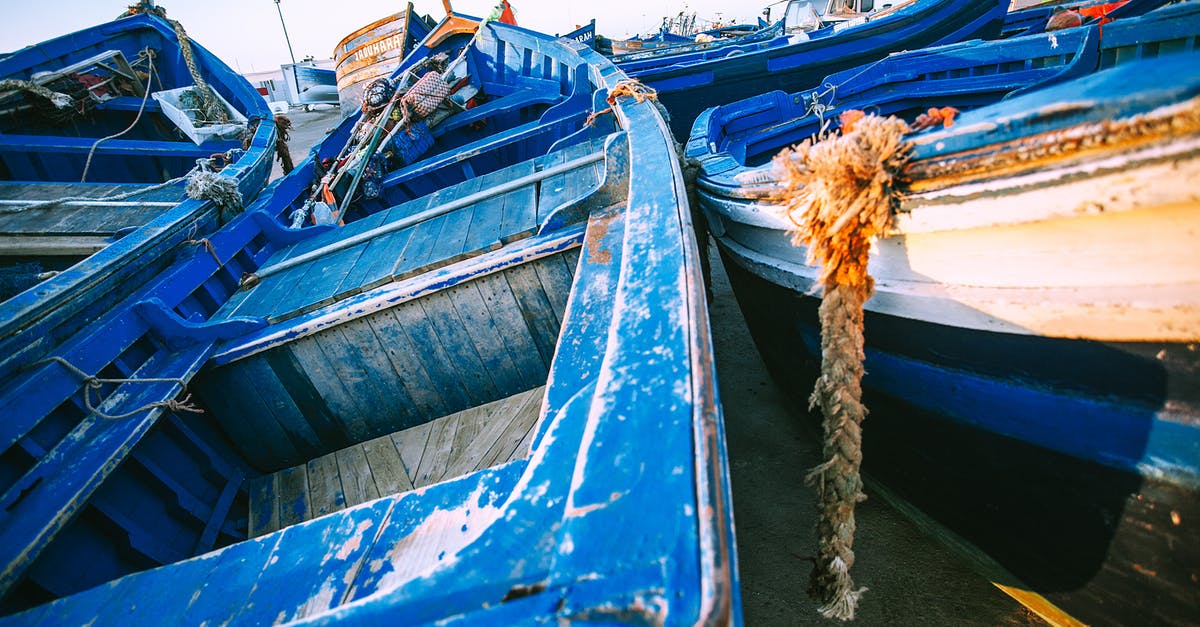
x=593, y=238
x=1044, y=150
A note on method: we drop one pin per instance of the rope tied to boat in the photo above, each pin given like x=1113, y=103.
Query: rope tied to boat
x=94, y=383
x=625, y=87
x=204, y=183
x=148, y=53
x=59, y=100
x=202, y=165
x=210, y=106
x=840, y=193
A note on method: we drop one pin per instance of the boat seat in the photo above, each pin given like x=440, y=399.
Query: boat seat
x=464, y=153
x=419, y=248
x=510, y=103
x=440, y=450
x=10, y=143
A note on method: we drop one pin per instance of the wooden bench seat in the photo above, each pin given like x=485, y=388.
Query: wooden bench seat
x=434, y=243
x=446, y=448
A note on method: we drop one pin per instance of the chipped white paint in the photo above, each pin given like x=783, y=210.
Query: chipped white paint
x=1106, y=250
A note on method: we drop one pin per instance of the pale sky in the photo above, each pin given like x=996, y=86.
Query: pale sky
x=247, y=35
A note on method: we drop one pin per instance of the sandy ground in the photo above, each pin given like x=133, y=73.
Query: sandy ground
x=911, y=578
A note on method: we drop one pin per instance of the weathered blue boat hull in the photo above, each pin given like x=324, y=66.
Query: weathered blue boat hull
x=38, y=318
x=689, y=85
x=1030, y=387
x=614, y=327
x=1004, y=462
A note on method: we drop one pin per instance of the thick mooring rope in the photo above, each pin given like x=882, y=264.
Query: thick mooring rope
x=91, y=382
x=840, y=194
x=211, y=107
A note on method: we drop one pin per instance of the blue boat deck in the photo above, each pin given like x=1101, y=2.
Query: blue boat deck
x=425, y=245
x=74, y=227
x=443, y=449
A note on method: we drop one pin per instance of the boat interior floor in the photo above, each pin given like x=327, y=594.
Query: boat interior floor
x=338, y=272
x=440, y=450
x=80, y=226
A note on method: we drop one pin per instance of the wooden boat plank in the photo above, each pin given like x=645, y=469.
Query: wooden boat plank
x=326, y=381
x=556, y=279
x=499, y=418
x=367, y=346
x=294, y=502
x=471, y=424
x=305, y=394
x=387, y=467
x=351, y=356
x=358, y=483
x=16, y=245
x=242, y=412
x=406, y=361
x=504, y=448
x=263, y=493
x=519, y=218
x=415, y=256
x=524, y=447
x=456, y=341
x=571, y=258
x=432, y=357
x=506, y=314
x=540, y=318
x=437, y=450
x=318, y=285
x=336, y=546
x=325, y=493
x=374, y=267
x=281, y=409
x=486, y=337
x=411, y=443
x=449, y=247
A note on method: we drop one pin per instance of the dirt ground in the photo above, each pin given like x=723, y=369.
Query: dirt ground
x=911, y=579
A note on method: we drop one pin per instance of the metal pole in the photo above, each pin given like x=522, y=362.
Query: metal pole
x=285, y=35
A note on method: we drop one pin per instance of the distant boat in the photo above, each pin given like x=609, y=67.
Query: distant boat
x=689, y=82
x=1031, y=343
x=117, y=153
x=374, y=51
x=439, y=410
x=311, y=82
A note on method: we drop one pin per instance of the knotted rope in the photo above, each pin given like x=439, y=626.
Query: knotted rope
x=206, y=184
x=202, y=191
x=91, y=382
x=840, y=194
x=59, y=100
x=624, y=87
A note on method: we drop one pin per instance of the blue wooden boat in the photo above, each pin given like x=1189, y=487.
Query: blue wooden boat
x=688, y=83
x=1033, y=20
x=374, y=51
x=437, y=412
x=1030, y=345
x=130, y=212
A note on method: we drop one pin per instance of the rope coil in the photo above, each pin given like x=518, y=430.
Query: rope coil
x=624, y=87
x=92, y=382
x=840, y=193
